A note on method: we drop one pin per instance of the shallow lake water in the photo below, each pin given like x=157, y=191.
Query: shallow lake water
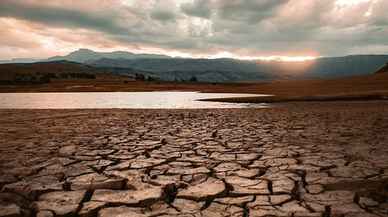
x=132, y=100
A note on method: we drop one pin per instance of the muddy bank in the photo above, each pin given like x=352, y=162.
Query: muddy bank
x=357, y=88
x=317, y=98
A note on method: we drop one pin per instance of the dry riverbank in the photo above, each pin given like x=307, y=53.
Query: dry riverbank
x=359, y=88
x=296, y=159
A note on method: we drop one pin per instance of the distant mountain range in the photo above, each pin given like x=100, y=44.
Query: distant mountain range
x=210, y=70
x=19, y=60
x=238, y=70
x=223, y=70
x=86, y=55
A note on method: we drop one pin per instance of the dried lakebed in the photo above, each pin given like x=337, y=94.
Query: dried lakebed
x=305, y=159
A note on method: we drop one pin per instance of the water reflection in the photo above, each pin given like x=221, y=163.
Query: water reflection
x=138, y=100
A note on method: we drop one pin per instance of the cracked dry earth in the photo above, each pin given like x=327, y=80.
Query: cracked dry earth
x=305, y=159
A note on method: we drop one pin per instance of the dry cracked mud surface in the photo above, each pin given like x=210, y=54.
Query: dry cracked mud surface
x=303, y=159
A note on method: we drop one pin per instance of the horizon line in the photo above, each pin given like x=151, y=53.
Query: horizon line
x=219, y=55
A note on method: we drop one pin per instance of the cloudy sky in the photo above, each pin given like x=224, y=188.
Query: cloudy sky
x=194, y=28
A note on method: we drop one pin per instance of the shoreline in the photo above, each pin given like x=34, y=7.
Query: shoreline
x=359, y=88
x=285, y=99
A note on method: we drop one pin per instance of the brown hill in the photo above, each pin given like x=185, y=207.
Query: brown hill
x=43, y=72
x=384, y=69
x=374, y=86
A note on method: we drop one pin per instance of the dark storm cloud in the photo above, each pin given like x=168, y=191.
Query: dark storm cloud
x=60, y=17
x=163, y=15
x=250, y=11
x=249, y=27
x=198, y=8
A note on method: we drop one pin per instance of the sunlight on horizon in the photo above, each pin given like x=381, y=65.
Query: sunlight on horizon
x=350, y=2
x=263, y=58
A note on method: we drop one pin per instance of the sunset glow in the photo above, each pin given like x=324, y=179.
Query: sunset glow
x=263, y=58
x=241, y=29
x=121, y=108
x=287, y=58
x=351, y=2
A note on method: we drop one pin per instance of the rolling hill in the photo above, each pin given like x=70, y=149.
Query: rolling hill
x=223, y=69
x=231, y=70
x=208, y=70
x=43, y=72
x=19, y=60
x=86, y=55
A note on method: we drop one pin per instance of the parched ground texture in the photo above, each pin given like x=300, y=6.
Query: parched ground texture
x=301, y=159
